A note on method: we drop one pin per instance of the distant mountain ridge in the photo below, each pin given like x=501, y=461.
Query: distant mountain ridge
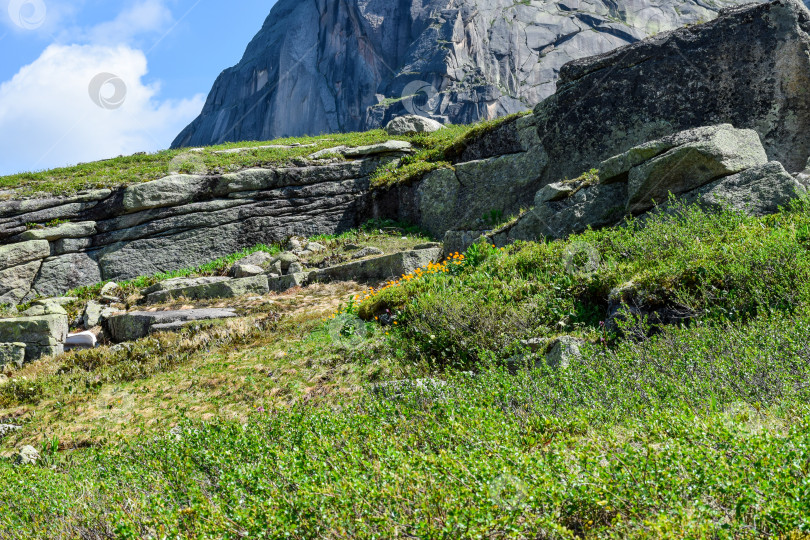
x=324, y=66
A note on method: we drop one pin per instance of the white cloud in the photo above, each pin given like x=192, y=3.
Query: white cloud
x=145, y=17
x=48, y=119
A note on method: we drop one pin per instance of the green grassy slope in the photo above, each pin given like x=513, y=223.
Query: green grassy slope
x=698, y=430
x=127, y=170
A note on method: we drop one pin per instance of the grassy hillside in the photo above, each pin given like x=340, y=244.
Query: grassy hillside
x=284, y=425
x=126, y=170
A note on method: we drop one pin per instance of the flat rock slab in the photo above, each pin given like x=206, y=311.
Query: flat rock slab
x=66, y=230
x=167, y=191
x=139, y=324
x=364, y=151
x=23, y=252
x=227, y=288
x=380, y=268
x=180, y=283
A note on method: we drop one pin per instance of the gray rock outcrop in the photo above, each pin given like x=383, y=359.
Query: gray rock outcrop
x=749, y=68
x=380, y=268
x=137, y=324
x=714, y=166
x=328, y=66
x=42, y=335
x=177, y=222
x=210, y=288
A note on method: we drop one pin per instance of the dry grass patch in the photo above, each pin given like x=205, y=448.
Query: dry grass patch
x=275, y=355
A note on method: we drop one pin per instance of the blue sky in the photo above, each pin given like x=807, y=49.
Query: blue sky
x=150, y=64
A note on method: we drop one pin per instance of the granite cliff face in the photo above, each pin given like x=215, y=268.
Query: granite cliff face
x=321, y=66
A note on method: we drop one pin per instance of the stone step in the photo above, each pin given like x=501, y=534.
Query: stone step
x=220, y=288
x=380, y=268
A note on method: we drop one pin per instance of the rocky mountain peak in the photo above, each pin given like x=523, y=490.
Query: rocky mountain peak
x=321, y=66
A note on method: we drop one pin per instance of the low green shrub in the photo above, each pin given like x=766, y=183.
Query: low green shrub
x=723, y=266
x=697, y=432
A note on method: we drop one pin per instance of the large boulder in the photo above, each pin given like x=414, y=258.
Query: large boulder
x=757, y=191
x=411, y=124
x=66, y=230
x=43, y=335
x=750, y=67
x=460, y=198
x=707, y=153
x=594, y=206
